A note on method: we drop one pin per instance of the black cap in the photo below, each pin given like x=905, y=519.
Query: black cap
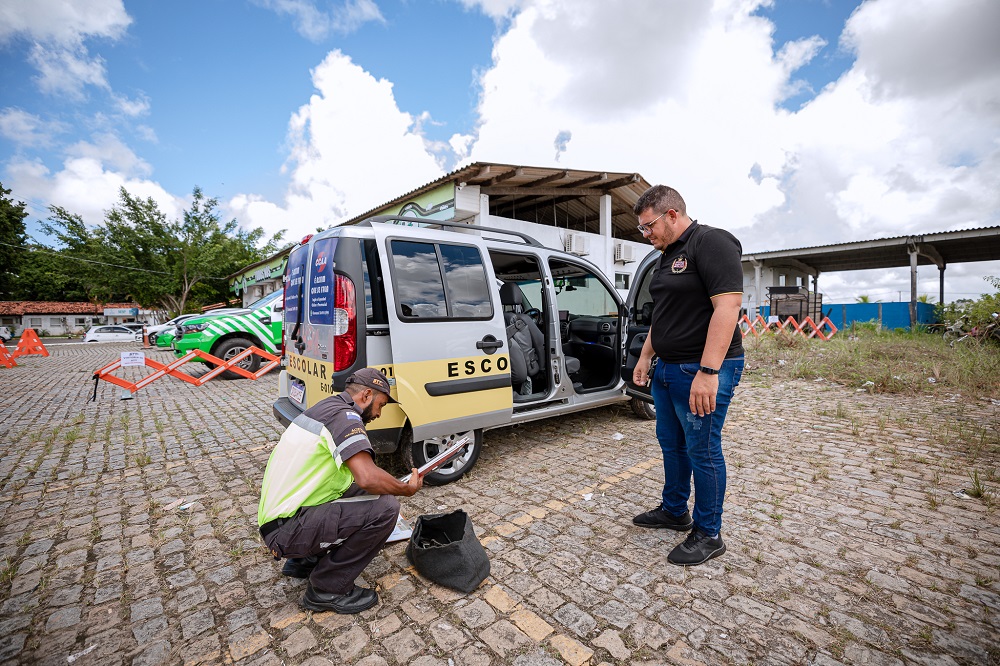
x=373, y=379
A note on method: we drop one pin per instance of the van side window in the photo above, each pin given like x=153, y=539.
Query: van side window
x=440, y=281
x=465, y=280
x=375, y=311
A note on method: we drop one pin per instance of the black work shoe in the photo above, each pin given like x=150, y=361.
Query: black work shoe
x=299, y=567
x=355, y=601
x=698, y=548
x=660, y=518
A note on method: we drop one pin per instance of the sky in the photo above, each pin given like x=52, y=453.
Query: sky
x=791, y=123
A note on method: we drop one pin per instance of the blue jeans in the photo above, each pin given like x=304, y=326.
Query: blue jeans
x=692, y=444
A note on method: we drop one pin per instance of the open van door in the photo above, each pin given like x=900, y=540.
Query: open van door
x=638, y=317
x=449, y=344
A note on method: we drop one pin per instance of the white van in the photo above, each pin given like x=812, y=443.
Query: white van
x=475, y=328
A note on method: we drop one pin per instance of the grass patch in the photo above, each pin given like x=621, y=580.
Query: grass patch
x=896, y=362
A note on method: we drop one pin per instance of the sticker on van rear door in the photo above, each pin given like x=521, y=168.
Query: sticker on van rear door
x=321, y=283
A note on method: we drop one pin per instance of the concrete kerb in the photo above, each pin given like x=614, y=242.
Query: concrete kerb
x=836, y=552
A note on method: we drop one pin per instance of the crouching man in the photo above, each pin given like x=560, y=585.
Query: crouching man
x=324, y=503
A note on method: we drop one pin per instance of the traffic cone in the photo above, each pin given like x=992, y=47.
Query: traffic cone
x=29, y=344
x=145, y=339
x=5, y=356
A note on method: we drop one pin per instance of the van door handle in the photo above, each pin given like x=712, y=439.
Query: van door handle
x=489, y=344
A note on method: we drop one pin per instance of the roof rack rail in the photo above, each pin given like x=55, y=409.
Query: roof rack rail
x=445, y=223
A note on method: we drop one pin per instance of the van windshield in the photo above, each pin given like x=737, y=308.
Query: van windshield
x=267, y=300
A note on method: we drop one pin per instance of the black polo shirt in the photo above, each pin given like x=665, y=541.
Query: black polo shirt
x=702, y=263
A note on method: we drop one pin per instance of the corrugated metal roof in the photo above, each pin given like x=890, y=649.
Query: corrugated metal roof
x=567, y=198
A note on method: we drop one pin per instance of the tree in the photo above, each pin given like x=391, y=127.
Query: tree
x=863, y=298
x=925, y=298
x=12, y=239
x=138, y=254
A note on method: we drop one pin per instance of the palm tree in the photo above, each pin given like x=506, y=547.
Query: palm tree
x=863, y=298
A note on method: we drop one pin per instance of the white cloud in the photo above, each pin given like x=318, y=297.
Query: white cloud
x=63, y=21
x=132, y=107
x=84, y=187
x=28, y=130
x=67, y=71
x=315, y=24
x=351, y=148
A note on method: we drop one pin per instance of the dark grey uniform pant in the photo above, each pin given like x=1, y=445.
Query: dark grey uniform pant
x=351, y=530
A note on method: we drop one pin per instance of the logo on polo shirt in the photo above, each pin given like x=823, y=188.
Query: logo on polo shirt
x=680, y=265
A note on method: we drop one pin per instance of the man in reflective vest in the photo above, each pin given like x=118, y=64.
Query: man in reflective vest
x=324, y=504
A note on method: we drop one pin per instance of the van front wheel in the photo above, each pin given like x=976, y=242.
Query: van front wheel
x=416, y=454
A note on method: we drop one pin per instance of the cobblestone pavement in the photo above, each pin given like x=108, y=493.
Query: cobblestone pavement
x=128, y=536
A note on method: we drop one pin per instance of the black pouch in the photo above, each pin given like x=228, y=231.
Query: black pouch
x=444, y=549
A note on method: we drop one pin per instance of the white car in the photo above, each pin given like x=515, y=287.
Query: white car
x=111, y=334
x=153, y=331
x=5, y=334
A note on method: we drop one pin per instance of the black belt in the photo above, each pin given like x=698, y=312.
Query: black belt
x=272, y=525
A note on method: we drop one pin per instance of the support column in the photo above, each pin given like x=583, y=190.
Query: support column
x=604, y=212
x=912, y=250
x=758, y=268
x=941, y=285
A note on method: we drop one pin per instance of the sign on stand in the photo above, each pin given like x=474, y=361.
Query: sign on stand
x=131, y=359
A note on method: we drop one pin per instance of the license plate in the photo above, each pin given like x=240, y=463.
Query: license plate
x=296, y=392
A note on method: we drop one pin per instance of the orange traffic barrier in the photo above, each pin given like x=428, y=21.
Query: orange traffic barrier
x=29, y=344
x=5, y=356
x=807, y=328
x=172, y=370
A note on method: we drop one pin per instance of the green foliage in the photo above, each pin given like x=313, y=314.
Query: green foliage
x=12, y=233
x=137, y=254
x=978, y=312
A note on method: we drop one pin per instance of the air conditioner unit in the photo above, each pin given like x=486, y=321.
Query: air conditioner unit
x=577, y=244
x=624, y=253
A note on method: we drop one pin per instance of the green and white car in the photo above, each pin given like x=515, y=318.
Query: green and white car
x=227, y=336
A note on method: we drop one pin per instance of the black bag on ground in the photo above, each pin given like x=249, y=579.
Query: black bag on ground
x=444, y=549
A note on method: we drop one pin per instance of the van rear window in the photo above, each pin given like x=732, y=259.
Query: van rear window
x=295, y=282
x=440, y=281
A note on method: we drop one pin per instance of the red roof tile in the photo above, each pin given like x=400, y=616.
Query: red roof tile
x=57, y=307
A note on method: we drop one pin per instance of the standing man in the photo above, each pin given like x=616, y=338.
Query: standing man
x=697, y=291
x=324, y=503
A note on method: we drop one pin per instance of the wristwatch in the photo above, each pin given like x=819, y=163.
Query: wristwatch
x=707, y=370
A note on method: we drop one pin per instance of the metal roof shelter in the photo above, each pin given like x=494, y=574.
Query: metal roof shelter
x=939, y=249
x=565, y=198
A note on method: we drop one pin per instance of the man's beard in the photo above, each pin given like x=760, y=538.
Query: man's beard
x=366, y=413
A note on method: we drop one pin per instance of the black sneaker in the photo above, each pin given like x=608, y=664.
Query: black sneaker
x=299, y=567
x=660, y=518
x=698, y=548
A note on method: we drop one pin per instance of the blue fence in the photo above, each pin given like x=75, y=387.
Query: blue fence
x=890, y=315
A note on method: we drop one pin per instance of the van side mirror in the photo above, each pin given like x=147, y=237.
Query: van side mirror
x=277, y=307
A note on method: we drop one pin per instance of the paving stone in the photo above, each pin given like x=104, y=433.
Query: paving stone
x=299, y=642
x=247, y=641
x=197, y=623
x=613, y=643
x=404, y=645
x=476, y=614
x=572, y=617
x=63, y=618
x=573, y=652
x=447, y=636
x=503, y=638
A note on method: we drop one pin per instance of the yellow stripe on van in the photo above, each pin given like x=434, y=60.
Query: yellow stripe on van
x=428, y=391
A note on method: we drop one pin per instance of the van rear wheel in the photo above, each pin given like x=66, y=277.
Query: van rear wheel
x=416, y=454
x=233, y=347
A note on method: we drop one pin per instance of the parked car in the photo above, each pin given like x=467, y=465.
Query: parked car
x=116, y=333
x=154, y=331
x=474, y=327
x=229, y=334
x=5, y=334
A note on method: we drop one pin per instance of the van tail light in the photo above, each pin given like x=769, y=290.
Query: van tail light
x=345, y=324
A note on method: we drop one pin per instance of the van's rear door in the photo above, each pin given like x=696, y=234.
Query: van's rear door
x=449, y=344
x=638, y=316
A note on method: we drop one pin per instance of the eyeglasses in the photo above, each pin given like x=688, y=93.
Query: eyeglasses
x=648, y=227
